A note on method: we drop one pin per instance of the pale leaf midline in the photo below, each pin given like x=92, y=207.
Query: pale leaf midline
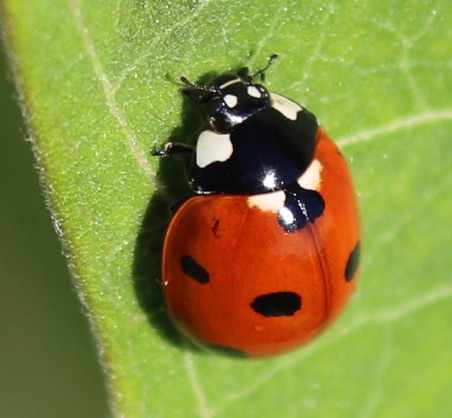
x=101, y=75
x=388, y=314
x=397, y=125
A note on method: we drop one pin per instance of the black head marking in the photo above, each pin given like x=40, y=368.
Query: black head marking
x=277, y=304
x=221, y=116
x=353, y=262
x=194, y=270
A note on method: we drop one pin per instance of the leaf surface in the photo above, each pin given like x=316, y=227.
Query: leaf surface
x=99, y=83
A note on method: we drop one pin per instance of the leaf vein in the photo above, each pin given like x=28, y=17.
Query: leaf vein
x=390, y=314
x=408, y=122
x=159, y=39
x=204, y=411
x=101, y=75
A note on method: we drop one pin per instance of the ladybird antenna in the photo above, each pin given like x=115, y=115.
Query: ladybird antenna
x=262, y=71
x=200, y=87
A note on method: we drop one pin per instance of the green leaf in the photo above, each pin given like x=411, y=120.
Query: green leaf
x=99, y=87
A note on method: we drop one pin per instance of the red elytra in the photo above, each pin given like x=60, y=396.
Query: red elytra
x=223, y=255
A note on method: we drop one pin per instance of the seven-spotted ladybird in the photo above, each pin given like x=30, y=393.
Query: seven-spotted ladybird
x=265, y=254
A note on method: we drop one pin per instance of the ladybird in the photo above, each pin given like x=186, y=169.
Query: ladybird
x=265, y=253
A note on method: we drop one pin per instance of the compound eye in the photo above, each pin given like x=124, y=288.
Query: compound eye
x=231, y=101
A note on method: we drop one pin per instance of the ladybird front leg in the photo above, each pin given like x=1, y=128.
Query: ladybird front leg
x=172, y=148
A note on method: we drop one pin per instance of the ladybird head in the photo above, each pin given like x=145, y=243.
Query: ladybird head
x=232, y=98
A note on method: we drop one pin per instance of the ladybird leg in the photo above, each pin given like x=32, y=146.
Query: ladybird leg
x=171, y=148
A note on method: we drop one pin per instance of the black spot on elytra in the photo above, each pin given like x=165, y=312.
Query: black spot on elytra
x=300, y=207
x=277, y=304
x=194, y=270
x=353, y=262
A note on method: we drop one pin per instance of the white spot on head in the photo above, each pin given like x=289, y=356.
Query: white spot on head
x=285, y=106
x=230, y=100
x=311, y=178
x=254, y=92
x=212, y=147
x=268, y=202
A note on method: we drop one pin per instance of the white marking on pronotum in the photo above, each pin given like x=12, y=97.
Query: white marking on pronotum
x=285, y=106
x=253, y=91
x=231, y=100
x=274, y=202
x=212, y=147
x=311, y=178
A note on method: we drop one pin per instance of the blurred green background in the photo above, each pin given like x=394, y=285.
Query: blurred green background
x=48, y=363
